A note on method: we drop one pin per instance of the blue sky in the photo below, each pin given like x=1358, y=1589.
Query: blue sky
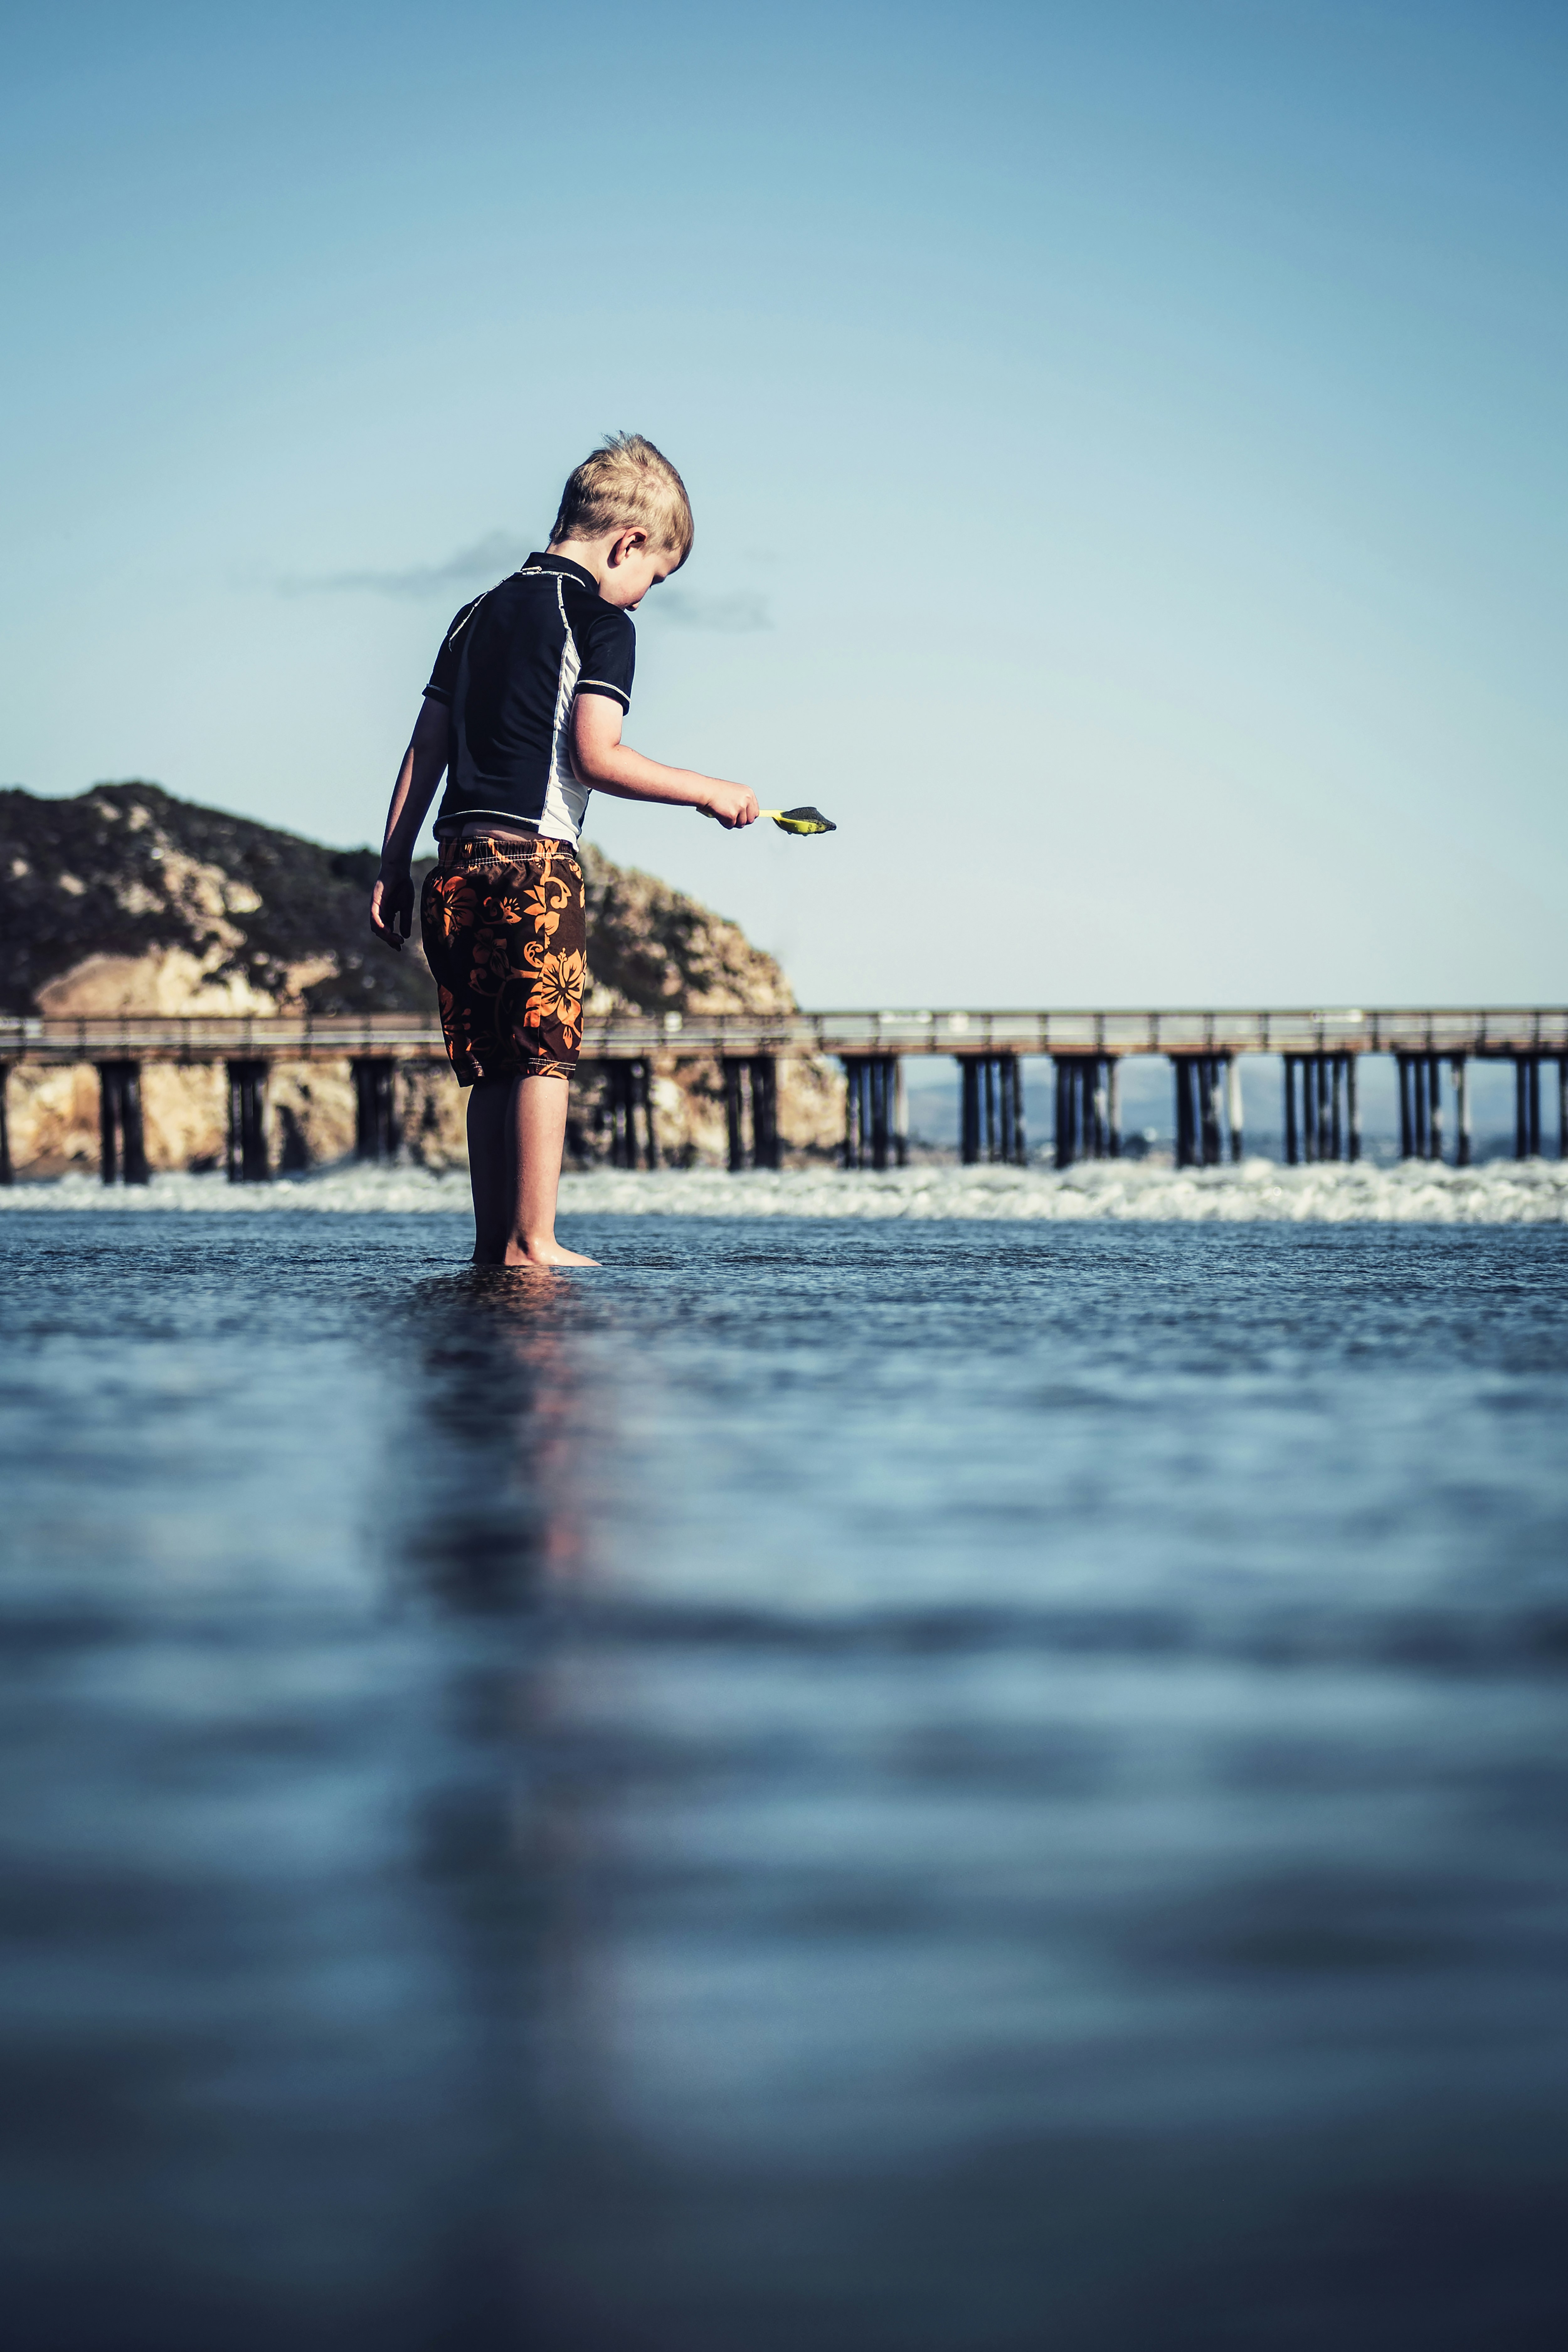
x=1127, y=446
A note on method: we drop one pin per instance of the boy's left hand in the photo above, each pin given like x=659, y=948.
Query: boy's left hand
x=392, y=909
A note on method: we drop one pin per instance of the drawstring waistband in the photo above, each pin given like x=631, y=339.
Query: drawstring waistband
x=466, y=849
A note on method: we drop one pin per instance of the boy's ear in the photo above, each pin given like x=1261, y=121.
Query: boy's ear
x=630, y=542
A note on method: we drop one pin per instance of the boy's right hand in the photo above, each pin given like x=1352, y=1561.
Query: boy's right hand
x=731, y=804
x=392, y=907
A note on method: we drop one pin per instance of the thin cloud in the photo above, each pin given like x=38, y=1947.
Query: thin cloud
x=735, y=613
x=487, y=561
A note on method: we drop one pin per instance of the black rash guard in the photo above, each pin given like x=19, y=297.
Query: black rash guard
x=509, y=670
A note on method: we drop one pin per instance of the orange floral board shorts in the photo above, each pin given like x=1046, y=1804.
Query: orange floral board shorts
x=504, y=926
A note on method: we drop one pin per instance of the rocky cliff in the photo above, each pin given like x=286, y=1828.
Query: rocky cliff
x=128, y=899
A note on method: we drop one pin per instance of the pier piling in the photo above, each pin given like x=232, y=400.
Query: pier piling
x=1421, y=1110
x=1322, y=1118
x=750, y=1087
x=1204, y=1087
x=1323, y=1074
x=765, y=1072
x=123, y=1154
x=1209, y=1082
x=247, y=1155
x=377, y=1132
x=1406, y=1120
x=627, y=1091
x=733, y=1115
x=992, y=1109
x=1427, y=1101
x=876, y=1111
x=1089, y=1109
x=1527, y=1106
x=7, y=1173
x=1067, y=1124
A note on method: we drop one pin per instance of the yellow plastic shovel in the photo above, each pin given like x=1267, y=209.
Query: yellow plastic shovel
x=801, y=821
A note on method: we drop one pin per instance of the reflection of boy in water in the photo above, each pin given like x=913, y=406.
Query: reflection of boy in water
x=524, y=714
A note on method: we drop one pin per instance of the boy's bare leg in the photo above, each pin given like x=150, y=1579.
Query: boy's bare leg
x=533, y=1167
x=515, y=1136
x=490, y=1124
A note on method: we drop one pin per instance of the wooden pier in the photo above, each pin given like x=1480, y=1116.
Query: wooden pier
x=1320, y=1051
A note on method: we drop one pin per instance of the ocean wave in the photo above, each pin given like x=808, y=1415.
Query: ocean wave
x=1503, y=1192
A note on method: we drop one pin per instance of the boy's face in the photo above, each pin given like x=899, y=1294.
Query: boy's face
x=631, y=567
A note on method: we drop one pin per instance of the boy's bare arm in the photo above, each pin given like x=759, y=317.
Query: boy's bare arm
x=424, y=763
x=603, y=760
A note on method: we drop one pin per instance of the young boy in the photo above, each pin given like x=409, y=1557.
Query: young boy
x=524, y=715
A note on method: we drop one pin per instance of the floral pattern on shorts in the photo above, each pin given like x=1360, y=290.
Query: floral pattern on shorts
x=504, y=930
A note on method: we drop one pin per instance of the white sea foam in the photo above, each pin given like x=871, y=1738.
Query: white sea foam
x=1503, y=1192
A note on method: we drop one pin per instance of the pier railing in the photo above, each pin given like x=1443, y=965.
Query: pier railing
x=1501, y=1031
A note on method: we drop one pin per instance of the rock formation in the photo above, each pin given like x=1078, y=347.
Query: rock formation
x=128, y=899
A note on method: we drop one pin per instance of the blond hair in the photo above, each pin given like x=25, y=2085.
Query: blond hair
x=626, y=485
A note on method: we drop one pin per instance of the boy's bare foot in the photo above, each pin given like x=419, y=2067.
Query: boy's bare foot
x=550, y=1253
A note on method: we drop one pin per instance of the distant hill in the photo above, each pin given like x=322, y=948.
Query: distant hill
x=126, y=898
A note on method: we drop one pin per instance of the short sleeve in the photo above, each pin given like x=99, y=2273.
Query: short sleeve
x=443, y=678
x=607, y=646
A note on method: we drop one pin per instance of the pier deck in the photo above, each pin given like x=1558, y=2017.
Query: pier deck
x=1501, y=1031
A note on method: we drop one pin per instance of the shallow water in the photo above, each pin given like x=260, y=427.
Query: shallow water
x=876, y=1785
